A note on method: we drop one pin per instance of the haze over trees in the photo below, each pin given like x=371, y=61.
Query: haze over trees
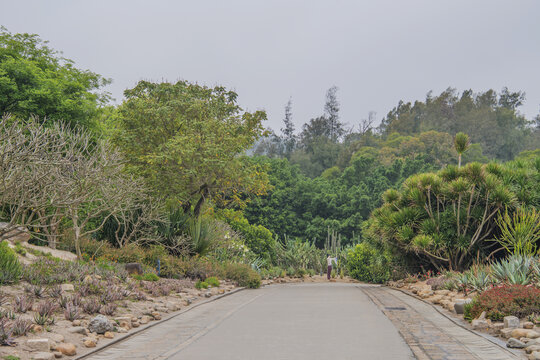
x=180, y=170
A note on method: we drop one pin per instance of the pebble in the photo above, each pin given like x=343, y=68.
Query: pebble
x=108, y=335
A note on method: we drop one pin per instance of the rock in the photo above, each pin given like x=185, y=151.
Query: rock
x=42, y=356
x=125, y=324
x=518, y=333
x=67, y=287
x=497, y=326
x=207, y=294
x=39, y=344
x=145, y=319
x=134, y=268
x=76, y=323
x=482, y=316
x=511, y=322
x=532, y=348
x=90, y=343
x=108, y=335
x=528, y=325
x=52, y=345
x=121, y=330
x=162, y=309
x=57, y=338
x=535, y=356
x=37, y=328
x=459, y=306
x=156, y=315
x=122, y=318
x=425, y=294
x=100, y=324
x=442, y=292
x=67, y=349
x=77, y=330
x=57, y=354
x=135, y=324
x=506, y=333
x=478, y=324
x=515, y=343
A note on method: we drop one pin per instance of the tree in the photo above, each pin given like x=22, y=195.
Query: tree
x=36, y=80
x=289, y=138
x=331, y=112
x=446, y=218
x=186, y=140
x=461, y=144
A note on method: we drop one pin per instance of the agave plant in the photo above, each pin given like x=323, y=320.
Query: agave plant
x=23, y=303
x=21, y=327
x=72, y=312
x=516, y=270
x=6, y=333
x=481, y=280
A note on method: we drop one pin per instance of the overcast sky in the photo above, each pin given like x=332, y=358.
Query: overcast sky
x=376, y=52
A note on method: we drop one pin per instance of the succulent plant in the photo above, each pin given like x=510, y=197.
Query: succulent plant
x=72, y=312
x=23, y=303
x=6, y=333
x=91, y=306
x=20, y=327
x=108, y=309
x=55, y=291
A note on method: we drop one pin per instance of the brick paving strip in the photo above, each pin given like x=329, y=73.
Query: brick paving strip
x=430, y=334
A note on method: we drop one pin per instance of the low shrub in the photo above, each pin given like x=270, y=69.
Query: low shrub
x=366, y=263
x=212, y=281
x=243, y=274
x=515, y=300
x=10, y=268
x=201, y=285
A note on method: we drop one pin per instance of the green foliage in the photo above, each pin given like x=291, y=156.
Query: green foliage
x=10, y=268
x=185, y=139
x=150, y=277
x=243, y=275
x=367, y=264
x=201, y=285
x=36, y=80
x=444, y=218
x=519, y=232
x=212, y=281
x=259, y=239
x=508, y=300
x=516, y=270
x=203, y=235
x=490, y=119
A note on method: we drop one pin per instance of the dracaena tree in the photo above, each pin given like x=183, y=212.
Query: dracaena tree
x=447, y=218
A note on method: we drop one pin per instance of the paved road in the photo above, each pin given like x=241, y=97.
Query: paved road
x=303, y=321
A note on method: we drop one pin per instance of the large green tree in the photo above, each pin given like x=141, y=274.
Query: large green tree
x=37, y=80
x=187, y=140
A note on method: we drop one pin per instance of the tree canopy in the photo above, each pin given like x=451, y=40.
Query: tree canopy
x=37, y=80
x=187, y=140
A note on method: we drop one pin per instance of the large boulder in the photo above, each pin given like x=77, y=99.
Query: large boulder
x=515, y=344
x=511, y=322
x=100, y=325
x=459, y=306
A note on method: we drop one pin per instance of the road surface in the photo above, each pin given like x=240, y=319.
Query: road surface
x=308, y=321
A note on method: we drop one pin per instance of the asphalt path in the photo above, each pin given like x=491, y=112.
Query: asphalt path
x=297, y=321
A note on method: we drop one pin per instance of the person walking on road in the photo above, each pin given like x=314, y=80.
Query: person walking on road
x=329, y=261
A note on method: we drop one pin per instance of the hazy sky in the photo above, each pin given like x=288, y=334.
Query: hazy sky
x=376, y=52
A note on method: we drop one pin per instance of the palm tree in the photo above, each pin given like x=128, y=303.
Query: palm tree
x=461, y=144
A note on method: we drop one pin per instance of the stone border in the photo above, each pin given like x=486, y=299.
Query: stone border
x=459, y=323
x=154, y=323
